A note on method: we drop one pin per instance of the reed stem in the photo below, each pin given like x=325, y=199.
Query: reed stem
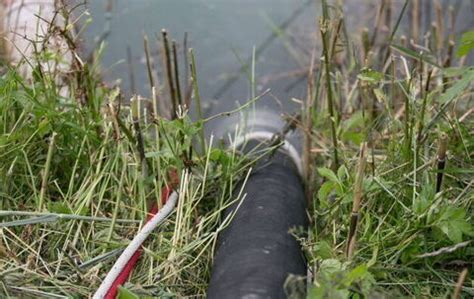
x=149, y=66
x=169, y=72
x=176, y=73
x=441, y=160
x=459, y=284
x=327, y=70
x=358, y=194
x=197, y=97
x=47, y=166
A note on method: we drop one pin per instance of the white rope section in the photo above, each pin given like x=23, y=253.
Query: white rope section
x=134, y=245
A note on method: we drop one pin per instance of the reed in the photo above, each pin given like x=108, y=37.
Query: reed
x=330, y=101
x=441, y=161
x=149, y=65
x=356, y=202
x=176, y=74
x=46, y=171
x=169, y=72
x=461, y=279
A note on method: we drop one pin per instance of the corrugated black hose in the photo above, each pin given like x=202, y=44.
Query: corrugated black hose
x=257, y=252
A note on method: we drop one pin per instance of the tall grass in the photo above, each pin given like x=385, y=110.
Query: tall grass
x=78, y=173
x=390, y=218
x=394, y=227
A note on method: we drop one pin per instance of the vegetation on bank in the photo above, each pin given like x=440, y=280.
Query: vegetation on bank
x=392, y=127
x=389, y=146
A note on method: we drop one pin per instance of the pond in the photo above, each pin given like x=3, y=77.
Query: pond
x=224, y=34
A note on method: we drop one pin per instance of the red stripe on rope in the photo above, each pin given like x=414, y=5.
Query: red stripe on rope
x=127, y=270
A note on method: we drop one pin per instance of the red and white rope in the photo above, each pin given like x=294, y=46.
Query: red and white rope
x=124, y=264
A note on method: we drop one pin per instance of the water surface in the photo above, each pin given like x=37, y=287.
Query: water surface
x=224, y=34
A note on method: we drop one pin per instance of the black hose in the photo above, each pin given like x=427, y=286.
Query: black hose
x=257, y=252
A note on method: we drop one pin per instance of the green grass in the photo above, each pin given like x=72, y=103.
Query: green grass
x=79, y=170
x=77, y=180
x=411, y=239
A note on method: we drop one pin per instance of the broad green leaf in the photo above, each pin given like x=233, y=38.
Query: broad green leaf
x=59, y=207
x=220, y=156
x=124, y=293
x=331, y=266
x=323, y=250
x=466, y=45
x=324, y=291
x=454, y=225
x=328, y=174
x=370, y=75
x=413, y=54
x=324, y=191
x=356, y=120
x=354, y=137
x=341, y=172
x=424, y=200
x=358, y=273
x=353, y=128
x=44, y=127
x=450, y=72
x=459, y=87
x=215, y=154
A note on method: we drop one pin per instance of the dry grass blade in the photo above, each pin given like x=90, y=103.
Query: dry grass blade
x=45, y=176
x=459, y=284
x=358, y=194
